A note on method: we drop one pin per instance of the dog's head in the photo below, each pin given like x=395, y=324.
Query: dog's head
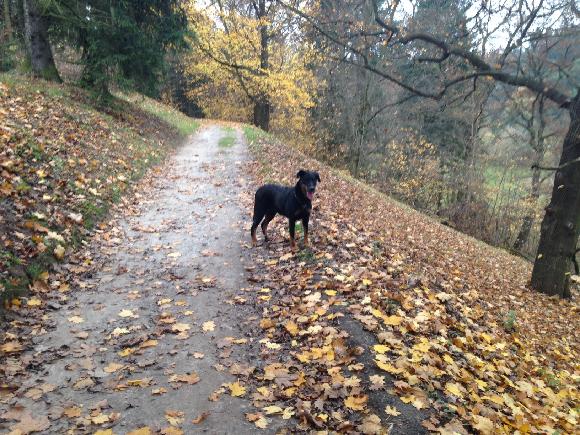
x=307, y=181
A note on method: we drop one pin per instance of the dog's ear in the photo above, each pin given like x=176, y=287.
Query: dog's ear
x=317, y=176
x=300, y=173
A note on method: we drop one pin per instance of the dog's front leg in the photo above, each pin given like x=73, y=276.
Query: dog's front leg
x=292, y=227
x=305, y=225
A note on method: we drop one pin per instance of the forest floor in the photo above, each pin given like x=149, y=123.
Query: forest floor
x=167, y=321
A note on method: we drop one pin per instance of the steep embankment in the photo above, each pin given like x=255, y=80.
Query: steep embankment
x=454, y=332
x=64, y=161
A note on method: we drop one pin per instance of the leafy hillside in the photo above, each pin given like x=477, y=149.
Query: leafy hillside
x=64, y=161
x=451, y=328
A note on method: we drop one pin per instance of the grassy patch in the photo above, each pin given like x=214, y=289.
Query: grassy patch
x=253, y=134
x=183, y=123
x=229, y=139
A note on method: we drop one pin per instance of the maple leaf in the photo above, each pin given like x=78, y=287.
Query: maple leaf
x=76, y=319
x=148, y=343
x=291, y=327
x=377, y=382
x=391, y=410
x=59, y=252
x=11, y=347
x=356, y=403
x=72, y=412
x=288, y=413
x=119, y=331
x=174, y=418
x=268, y=410
x=113, y=367
x=190, y=379
x=208, y=326
x=483, y=424
x=236, y=389
x=100, y=419
x=33, y=302
x=454, y=389
x=371, y=425
x=127, y=313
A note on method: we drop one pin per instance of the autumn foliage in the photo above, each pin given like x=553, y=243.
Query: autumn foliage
x=225, y=67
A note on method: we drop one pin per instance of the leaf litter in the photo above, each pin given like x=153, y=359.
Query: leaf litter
x=436, y=303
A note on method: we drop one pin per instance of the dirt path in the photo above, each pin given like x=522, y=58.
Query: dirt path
x=133, y=349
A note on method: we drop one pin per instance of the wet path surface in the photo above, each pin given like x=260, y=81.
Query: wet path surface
x=159, y=329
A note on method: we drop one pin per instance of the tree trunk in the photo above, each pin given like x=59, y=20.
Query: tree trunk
x=7, y=21
x=561, y=224
x=262, y=106
x=37, y=44
x=262, y=114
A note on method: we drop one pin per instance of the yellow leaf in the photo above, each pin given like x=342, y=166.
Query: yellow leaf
x=120, y=331
x=288, y=413
x=104, y=432
x=141, y=431
x=34, y=302
x=330, y=292
x=483, y=424
x=388, y=367
x=59, y=252
x=266, y=323
x=272, y=410
x=100, y=419
x=113, y=367
x=292, y=328
x=356, y=403
x=261, y=422
x=208, y=326
x=11, y=346
x=148, y=343
x=76, y=319
x=454, y=389
x=126, y=352
x=127, y=313
x=381, y=348
x=236, y=389
x=391, y=410
x=392, y=320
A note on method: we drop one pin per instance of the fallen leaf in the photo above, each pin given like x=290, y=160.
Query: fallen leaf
x=236, y=389
x=208, y=326
x=200, y=418
x=76, y=319
x=356, y=403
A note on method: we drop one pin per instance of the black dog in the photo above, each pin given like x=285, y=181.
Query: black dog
x=293, y=202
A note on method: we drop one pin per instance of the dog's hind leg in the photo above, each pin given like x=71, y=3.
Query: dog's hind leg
x=258, y=216
x=265, y=222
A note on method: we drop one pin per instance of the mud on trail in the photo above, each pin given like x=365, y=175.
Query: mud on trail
x=150, y=339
